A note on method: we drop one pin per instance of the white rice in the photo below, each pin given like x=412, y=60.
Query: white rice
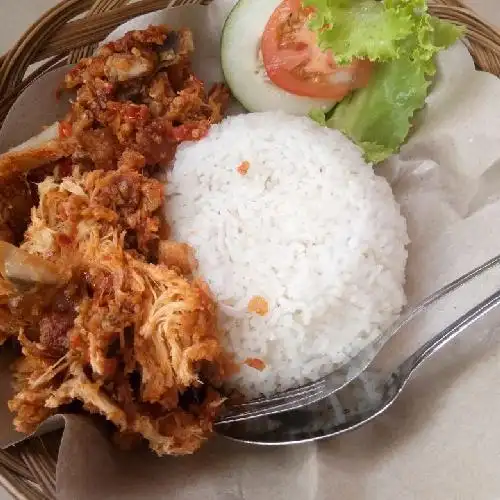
x=310, y=228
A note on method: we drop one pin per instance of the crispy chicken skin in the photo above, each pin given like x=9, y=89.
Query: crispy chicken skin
x=130, y=335
x=137, y=94
x=140, y=93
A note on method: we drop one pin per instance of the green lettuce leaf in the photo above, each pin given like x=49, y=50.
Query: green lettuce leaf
x=319, y=116
x=402, y=39
x=359, y=29
x=378, y=117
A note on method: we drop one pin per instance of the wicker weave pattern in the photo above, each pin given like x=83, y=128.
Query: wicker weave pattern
x=27, y=471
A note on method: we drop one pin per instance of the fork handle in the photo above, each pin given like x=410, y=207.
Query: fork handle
x=446, y=335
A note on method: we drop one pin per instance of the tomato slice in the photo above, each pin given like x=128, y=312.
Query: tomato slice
x=294, y=62
x=295, y=5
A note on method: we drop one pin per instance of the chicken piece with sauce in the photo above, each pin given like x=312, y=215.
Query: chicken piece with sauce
x=124, y=330
x=126, y=337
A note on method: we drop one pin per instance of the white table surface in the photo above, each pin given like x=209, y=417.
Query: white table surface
x=16, y=16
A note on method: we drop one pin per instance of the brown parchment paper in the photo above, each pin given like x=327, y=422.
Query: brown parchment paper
x=441, y=439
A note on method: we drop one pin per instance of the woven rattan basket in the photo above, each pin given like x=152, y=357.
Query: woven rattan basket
x=69, y=32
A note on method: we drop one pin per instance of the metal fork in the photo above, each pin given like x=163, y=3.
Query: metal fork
x=311, y=393
x=359, y=402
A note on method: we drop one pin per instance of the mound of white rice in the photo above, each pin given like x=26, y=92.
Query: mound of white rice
x=310, y=228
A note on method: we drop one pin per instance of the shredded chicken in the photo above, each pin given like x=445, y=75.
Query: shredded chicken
x=9, y=324
x=178, y=256
x=29, y=402
x=179, y=331
x=138, y=335
x=80, y=387
x=129, y=334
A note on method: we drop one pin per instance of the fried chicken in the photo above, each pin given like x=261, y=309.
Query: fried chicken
x=136, y=95
x=29, y=402
x=139, y=93
x=136, y=335
x=129, y=334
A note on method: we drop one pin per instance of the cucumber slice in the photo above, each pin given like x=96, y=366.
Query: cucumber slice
x=243, y=69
